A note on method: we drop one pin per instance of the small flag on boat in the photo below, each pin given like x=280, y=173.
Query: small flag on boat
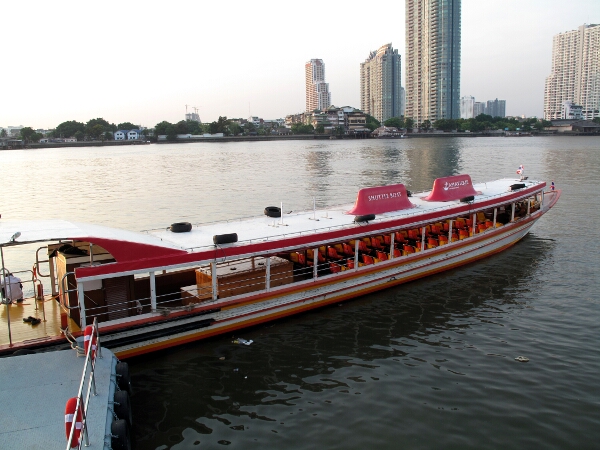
x=552, y=186
x=521, y=170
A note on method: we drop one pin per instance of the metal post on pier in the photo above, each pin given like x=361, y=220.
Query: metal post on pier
x=392, y=246
x=356, y=254
x=268, y=274
x=153, y=291
x=4, y=297
x=213, y=274
x=81, y=298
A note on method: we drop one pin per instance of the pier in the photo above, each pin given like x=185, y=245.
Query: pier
x=34, y=391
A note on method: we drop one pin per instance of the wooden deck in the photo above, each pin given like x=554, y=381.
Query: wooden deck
x=23, y=332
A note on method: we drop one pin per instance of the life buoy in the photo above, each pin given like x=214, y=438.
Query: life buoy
x=89, y=338
x=69, y=418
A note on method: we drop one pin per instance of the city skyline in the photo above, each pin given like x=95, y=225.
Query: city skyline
x=69, y=61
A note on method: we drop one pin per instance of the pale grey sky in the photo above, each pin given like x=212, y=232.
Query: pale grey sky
x=144, y=61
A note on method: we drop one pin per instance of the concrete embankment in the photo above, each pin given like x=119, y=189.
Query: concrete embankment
x=33, y=394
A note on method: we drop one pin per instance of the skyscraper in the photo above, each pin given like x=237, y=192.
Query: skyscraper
x=496, y=108
x=467, y=103
x=575, y=74
x=432, y=59
x=317, y=91
x=380, y=86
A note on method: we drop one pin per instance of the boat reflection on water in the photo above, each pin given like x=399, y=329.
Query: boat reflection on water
x=300, y=366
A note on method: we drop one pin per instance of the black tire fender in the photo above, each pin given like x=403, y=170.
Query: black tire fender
x=273, y=211
x=180, y=227
x=120, y=439
x=123, y=377
x=225, y=238
x=365, y=218
x=122, y=406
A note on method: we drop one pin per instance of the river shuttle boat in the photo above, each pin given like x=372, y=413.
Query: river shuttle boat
x=157, y=289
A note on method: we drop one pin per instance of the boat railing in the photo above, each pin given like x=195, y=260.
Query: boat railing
x=88, y=377
x=37, y=262
x=413, y=212
x=32, y=279
x=65, y=291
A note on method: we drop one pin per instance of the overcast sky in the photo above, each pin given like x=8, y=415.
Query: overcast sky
x=142, y=62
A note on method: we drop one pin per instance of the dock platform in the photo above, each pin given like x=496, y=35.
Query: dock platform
x=33, y=394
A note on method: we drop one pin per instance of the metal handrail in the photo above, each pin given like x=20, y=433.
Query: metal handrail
x=37, y=263
x=90, y=363
x=68, y=291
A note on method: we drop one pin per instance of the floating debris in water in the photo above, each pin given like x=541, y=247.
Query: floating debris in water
x=243, y=341
x=522, y=359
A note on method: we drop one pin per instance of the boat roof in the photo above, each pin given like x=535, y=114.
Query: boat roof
x=139, y=251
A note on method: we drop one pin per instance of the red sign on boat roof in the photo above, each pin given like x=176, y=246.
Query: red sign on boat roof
x=381, y=199
x=451, y=188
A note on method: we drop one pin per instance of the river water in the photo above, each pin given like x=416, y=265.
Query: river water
x=430, y=364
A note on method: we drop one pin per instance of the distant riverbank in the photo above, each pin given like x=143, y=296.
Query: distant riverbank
x=294, y=137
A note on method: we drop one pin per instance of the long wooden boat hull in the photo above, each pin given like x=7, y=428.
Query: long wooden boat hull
x=136, y=330
x=328, y=290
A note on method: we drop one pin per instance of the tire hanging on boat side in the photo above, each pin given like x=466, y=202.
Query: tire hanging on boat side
x=123, y=377
x=120, y=435
x=122, y=406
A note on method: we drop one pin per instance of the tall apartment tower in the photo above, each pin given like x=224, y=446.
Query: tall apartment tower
x=575, y=74
x=432, y=59
x=380, y=84
x=496, y=108
x=467, y=105
x=317, y=91
x=478, y=108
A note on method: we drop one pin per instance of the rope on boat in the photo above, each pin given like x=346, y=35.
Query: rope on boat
x=166, y=310
x=73, y=342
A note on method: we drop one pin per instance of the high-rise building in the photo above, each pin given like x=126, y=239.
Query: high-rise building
x=575, y=74
x=317, y=91
x=380, y=84
x=432, y=59
x=478, y=108
x=467, y=103
x=496, y=108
